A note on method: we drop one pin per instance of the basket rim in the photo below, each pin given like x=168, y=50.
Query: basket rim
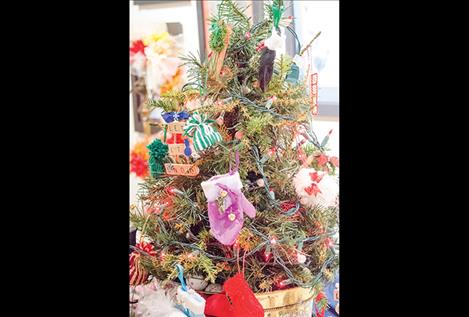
x=310, y=289
x=267, y=293
x=306, y=295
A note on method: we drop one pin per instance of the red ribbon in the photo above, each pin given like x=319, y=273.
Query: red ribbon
x=137, y=46
x=147, y=247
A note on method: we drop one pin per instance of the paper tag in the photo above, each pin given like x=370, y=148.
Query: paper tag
x=314, y=93
x=176, y=149
x=176, y=127
x=181, y=169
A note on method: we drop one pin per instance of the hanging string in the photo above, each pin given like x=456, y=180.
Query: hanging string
x=232, y=171
x=237, y=260
x=229, y=157
x=244, y=262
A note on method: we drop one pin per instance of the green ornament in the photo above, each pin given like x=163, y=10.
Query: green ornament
x=293, y=74
x=199, y=128
x=277, y=11
x=217, y=36
x=158, y=152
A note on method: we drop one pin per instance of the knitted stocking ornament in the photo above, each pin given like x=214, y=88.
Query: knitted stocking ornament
x=199, y=128
x=226, y=205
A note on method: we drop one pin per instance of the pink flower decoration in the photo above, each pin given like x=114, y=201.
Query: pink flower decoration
x=322, y=160
x=334, y=160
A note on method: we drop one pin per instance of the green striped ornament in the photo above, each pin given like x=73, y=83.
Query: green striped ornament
x=202, y=133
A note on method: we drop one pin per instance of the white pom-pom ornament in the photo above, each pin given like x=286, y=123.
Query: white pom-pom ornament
x=316, y=188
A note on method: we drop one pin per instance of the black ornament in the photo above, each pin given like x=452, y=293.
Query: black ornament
x=252, y=176
x=254, y=180
x=266, y=68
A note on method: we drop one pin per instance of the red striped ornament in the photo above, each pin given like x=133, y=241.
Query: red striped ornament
x=137, y=273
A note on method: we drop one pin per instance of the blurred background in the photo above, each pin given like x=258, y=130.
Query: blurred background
x=178, y=27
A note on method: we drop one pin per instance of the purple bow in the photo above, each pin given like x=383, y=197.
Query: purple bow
x=223, y=228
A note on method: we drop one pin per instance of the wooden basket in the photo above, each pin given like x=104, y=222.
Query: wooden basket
x=293, y=302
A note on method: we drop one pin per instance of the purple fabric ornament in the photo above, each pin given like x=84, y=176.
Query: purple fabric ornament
x=226, y=206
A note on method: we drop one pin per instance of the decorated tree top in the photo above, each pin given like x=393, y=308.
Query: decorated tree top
x=240, y=182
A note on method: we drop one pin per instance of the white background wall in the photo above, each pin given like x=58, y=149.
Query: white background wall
x=321, y=127
x=151, y=18
x=310, y=18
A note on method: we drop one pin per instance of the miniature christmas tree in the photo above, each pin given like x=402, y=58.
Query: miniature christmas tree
x=239, y=182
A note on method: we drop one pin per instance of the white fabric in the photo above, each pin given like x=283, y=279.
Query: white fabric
x=275, y=41
x=212, y=191
x=191, y=300
x=154, y=303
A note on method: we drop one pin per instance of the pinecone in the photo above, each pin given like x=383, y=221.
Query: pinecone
x=230, y=119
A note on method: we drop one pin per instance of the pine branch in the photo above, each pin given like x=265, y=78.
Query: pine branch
x=197, y=71
x=230, y=11
x=163, y=103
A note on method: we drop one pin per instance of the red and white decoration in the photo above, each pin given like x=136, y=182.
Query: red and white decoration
x=314, y=93
x=316, y=188
x=137, y=274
